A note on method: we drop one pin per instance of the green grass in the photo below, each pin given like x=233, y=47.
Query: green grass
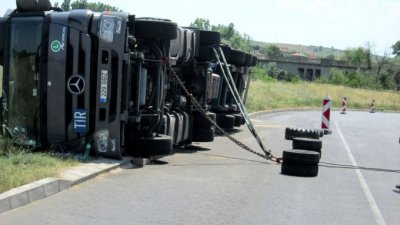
x=19, y=167
x=303, y=95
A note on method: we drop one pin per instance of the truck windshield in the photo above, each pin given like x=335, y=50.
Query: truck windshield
x=23, y=79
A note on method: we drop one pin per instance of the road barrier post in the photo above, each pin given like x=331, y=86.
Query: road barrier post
x=326, y=114
x=372, y=106
x=344, y=105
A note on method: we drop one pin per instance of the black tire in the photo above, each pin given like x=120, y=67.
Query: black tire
x=26, y=5
x=200, y=122
x=206, y=53
x=227, y=52
x=43, y=5
x=209, y=37
x=254, y=62
x=149, y=147
x=238, y=120
x=299, y=170
x=237, y=57
x=248, y=60
x=203, y=135
x=302, y=157
x=291, y=133
x=225, y=121
x=307, y=144
x=153, y=28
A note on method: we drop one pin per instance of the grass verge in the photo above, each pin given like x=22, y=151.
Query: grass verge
x=278, y=95
x=19, y=167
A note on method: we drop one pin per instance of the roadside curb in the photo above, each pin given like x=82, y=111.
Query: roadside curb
x=46, y=187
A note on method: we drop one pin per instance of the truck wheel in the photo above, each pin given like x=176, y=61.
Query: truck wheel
x=237, y=57
x=254, y=62
x=238, y=120
x=291, y=133
x=227, y=52
x=43, y=5
x=26, y=5
x=302, y=157
x=299, y=170
x=210, y=37
x=307, y=144
x=200, y=122
x=225, y=121
x=154, y=28
x=203, y=135
x=248, y=60
x=206, y=53
x=148, y=147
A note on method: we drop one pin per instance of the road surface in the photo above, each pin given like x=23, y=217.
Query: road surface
x=219, y=183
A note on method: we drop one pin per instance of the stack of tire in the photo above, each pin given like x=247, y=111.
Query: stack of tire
x=303, y=159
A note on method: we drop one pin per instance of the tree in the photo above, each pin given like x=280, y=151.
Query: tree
x=273, y=51
x=356, y=56
x=97, y=7
x=66, y=5
x=79, y=4
x=201, y=23
x=396, y=48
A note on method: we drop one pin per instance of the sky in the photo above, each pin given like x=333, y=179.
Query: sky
x=330, y=23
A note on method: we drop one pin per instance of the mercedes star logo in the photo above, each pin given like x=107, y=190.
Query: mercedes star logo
x=76, y=84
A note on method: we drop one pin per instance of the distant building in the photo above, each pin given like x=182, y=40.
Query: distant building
x=309, y=68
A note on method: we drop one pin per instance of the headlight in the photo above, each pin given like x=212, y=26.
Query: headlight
x=107, y=28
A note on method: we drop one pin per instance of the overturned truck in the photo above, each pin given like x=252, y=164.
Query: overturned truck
x=112, y=83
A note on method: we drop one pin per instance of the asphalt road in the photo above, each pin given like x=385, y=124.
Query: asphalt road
x=219, y=183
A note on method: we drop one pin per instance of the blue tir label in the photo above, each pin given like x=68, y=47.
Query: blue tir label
x=80, y=121
x=103, y=86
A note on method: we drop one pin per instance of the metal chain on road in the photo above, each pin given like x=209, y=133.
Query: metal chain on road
x=268, y=155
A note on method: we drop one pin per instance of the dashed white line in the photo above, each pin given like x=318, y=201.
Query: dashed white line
x=368, y=194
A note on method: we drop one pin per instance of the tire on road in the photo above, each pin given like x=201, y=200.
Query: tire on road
x=238, y=120
x=307, y=144
x=302, y=157
x=150, y=147
x=203, y=135
x=225, y=121
x=290, y=133
x=299, y=170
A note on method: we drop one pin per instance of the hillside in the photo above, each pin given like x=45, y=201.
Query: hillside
x=310, y=51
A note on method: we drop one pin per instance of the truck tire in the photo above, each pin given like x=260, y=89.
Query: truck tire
x=225, y=121
x=200, y=122
x=149, y=147
x=299, y=170
x=209, y=37
x=206, y=53
x=26, y=5
x=227, y=52
x=203, y=135
x=307, y=144
x=248, y=60
x=302, y=157
x=43, y=5
x=154, y=28
x=254, y=62
x=291, y=133
x=237, y=57
x=238, y=120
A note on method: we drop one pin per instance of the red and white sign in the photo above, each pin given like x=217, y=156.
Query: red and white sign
x=326, y=113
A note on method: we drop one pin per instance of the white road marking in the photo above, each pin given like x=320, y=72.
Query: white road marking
x=368, y=194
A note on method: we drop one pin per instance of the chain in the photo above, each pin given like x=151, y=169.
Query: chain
x=268, y=155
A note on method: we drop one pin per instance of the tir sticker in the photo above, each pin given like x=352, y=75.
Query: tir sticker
x=80, y=119
x=103, y=86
